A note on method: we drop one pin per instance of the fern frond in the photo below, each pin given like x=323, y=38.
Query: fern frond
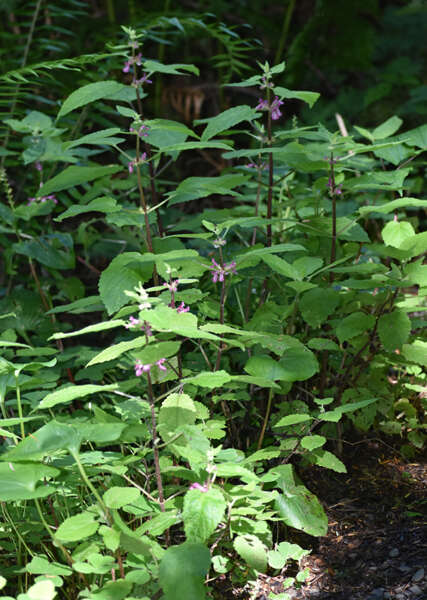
x=23, y=75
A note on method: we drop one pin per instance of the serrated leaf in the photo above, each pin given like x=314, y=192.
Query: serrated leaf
x=309, y=97
x=72, y=176
x=202, y=513
x=117, y=350
x=177, y=410
x=311, y=442
x=317, y=304
x=90, y=93
x=353, y=325
x=118, y=496
x=70, y=393
x=297, y=506
x=416, y=352
x=394, y=329
x=183, y=570
x=395, y=233
x=252, y=550
x=21, y=481
x=209, y=379
x=387, y=128
x=293, y=420
x=105, y=204
x=227, y=119
x=77, y=527
x=326, y=459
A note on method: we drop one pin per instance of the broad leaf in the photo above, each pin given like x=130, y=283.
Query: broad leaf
x=183, y=570
x=20, y=481
x=202, y=513
x=90, y=93
x=72, y=176
x=77, y=528
x=252, y=550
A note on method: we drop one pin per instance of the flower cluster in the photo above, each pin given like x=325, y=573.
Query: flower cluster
x=133, y=163
x=172, y=286
x=136, y=322
x=141, y=80
x=133, y=60
x=141, y=368
x=142, y=131
x=182, y=308
x=198, y=486
x=274, y=107
x=219, y=272
x=334, y=190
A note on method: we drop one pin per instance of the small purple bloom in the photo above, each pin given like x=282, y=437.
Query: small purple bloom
x=140, y=368
x=142, y=80
x=182, y=308
x=38, y=165
x=262, y=105
x=132, y=322
x=172, y=286
x=126, y=68
x=218, y=272
x=275, y=108
x=161, y=364
x=197, y=486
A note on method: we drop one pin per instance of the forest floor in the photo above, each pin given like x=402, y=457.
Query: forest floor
x=376, y=546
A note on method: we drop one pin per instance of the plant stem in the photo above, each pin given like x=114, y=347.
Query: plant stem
x=19, y=403
x=267, y=415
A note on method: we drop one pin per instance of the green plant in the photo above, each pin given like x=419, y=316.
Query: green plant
x=224, y=345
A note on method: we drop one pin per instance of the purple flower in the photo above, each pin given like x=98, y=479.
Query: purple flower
x=142, y=131
x=140, y=368
x=218, y=272
x=38, y=165
x=172, y=286
x=133, y=163
x=262, y=105
x=132, y=322
x=132, y=60
x=161, y=364
x=197, y=486
x=142, y=80
x=275, y=108
x=182, y=308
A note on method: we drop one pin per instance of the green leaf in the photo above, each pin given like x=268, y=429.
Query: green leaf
x=46, y=441
x=297, y=506
x=153, y=352
x=70, y=393
x=252, y=550
x=124, y=272
x=42, y=590
x=202, y=513
x=117, y=350
x=194, y=188
x=226, y=120
x=395, y=233
x=77, y=527
x=326, y=459
x=310, y=442
x=387, y=128
x=54, y=250
x=176, y=411
x=183, y=570
x=19, y=481
x=113, y=590
x=309, y=97
x=336, y=414
x=379, y=180
x=317, y=304
x=394, y=329
x=39, y=565
x=416, y=352
x=279, y=265
x=105, y=204
x=285, y=551
x=293, y=420
x=89, y=329
x=103, y=137
x=72, y=176
x=152, y=66
x=353, y=325
x=322, y=344
x=393, y=205
x=228, y=469
x=209, y=379
x=90, y=93
x=117, y=497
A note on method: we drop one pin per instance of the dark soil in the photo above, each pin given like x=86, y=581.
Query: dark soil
x=376, y=546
